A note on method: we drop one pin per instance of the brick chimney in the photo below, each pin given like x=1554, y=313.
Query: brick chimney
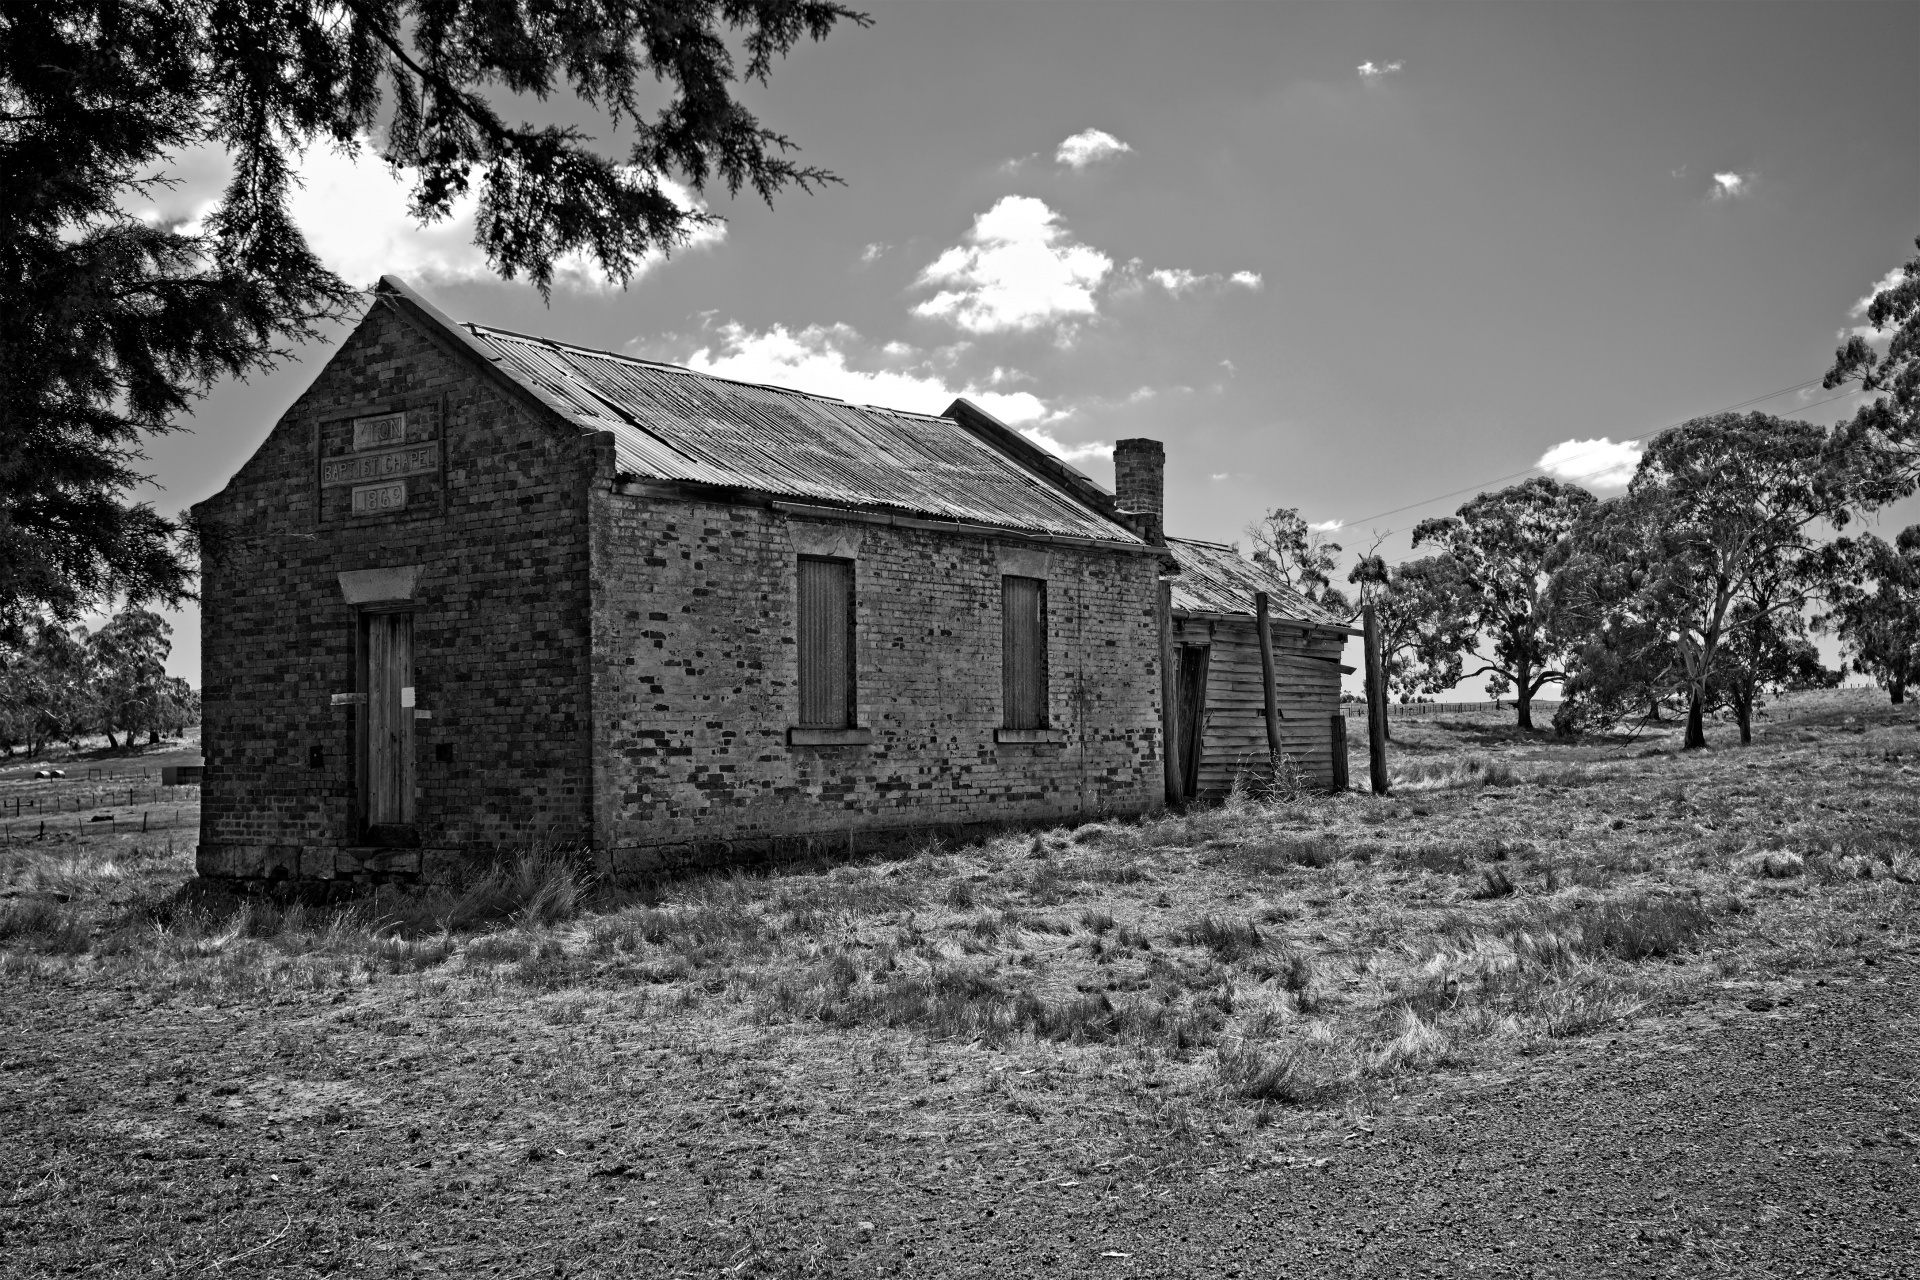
x=1139, y=486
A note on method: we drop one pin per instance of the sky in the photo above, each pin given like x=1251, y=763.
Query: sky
x=1360, y=260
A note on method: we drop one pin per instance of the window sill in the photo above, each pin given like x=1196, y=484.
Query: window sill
x=801, y=737
x=1053, y=737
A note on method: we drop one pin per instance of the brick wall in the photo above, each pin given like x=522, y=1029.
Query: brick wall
x=500, y=621
x=697, y=668
x=614, y=666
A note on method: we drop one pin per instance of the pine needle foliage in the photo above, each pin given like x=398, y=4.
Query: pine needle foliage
x=111, y=323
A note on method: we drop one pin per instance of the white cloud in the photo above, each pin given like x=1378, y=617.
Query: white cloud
x=1220, y=475
x=1087, y=146
x=353, y=212
x=1020, y=269
x=1068, y=452
x=1598, y=464
x=873, y=251
x=1328, y=526
x=1179, y=280
x=1229, y=366
x=1730, y=186
x=815, y=359
x=1373, y=71
x=1891, y=280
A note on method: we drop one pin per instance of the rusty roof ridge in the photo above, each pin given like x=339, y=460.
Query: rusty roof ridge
x=391, y=289
x=555, y=343
x=1202, y=542
x=1065, y=478
x=819, y=510
x=669, y=367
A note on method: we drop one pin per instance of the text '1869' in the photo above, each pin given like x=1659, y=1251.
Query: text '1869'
x=374, y=498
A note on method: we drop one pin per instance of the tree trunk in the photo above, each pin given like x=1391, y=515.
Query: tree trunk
x=1524, y=701
x=1743, y=713
x=1897, y=690
x=1696, y=724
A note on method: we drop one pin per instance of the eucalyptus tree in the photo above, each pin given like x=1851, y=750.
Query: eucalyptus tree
x=1496, y=551
x=111, y=324
x=130, y=690
x=1879, y=628
x=1305, y=556
x=1423, y=627
x=1886, y=430
x=1713, y=544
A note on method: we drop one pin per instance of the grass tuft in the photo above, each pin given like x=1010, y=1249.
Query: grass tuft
x=43, y=924
x=1295, y=1075
x=1494, y=883
x=1228, y=940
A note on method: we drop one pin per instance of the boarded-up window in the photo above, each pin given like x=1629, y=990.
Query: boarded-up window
x=1023, y=637
x=826, y=643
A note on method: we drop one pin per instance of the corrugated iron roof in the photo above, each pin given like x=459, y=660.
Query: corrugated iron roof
x=1215, y=578
x=671, y=423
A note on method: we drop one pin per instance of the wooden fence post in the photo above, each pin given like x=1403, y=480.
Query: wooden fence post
x=1376, y=705
x=1169, y=695
x=1340, y=782
x=1265, y=620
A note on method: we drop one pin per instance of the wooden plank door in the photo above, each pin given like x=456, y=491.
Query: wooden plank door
x=388, y=743
x=1194, y=660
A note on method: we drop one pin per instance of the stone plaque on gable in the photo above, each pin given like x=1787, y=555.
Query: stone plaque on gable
x=373, y=499
x=387, y=463
x=379, y=431
x=417, y=459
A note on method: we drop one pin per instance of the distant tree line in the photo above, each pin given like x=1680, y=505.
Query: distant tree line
x=1696, y=591
x=63, y=683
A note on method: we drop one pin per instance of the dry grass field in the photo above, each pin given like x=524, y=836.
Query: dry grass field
x=1005, y=1050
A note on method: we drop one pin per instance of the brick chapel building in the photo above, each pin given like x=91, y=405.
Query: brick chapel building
x=478, y=589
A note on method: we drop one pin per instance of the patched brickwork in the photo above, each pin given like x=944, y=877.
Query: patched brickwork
x=699, y=686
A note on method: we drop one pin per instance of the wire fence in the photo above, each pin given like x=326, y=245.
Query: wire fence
x=48, y=801
x=94, y=803
x=170, y=819
x=1543, y=708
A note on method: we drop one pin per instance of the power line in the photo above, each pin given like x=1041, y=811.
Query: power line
x=1774, y=395
x=1603, y=470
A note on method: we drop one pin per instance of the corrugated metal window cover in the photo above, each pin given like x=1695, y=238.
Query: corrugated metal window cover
x=826, y=643
x=1024, y=651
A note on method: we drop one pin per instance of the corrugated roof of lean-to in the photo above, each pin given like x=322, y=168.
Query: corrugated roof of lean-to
x=1215, y=578
x=671, y=423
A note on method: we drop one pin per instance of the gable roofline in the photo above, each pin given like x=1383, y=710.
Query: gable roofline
x=604, y=416
x=1033, y=457
x=410, y=302
x=474, y=328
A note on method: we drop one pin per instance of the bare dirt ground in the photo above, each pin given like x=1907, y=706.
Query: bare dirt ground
x=1549, y=1009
